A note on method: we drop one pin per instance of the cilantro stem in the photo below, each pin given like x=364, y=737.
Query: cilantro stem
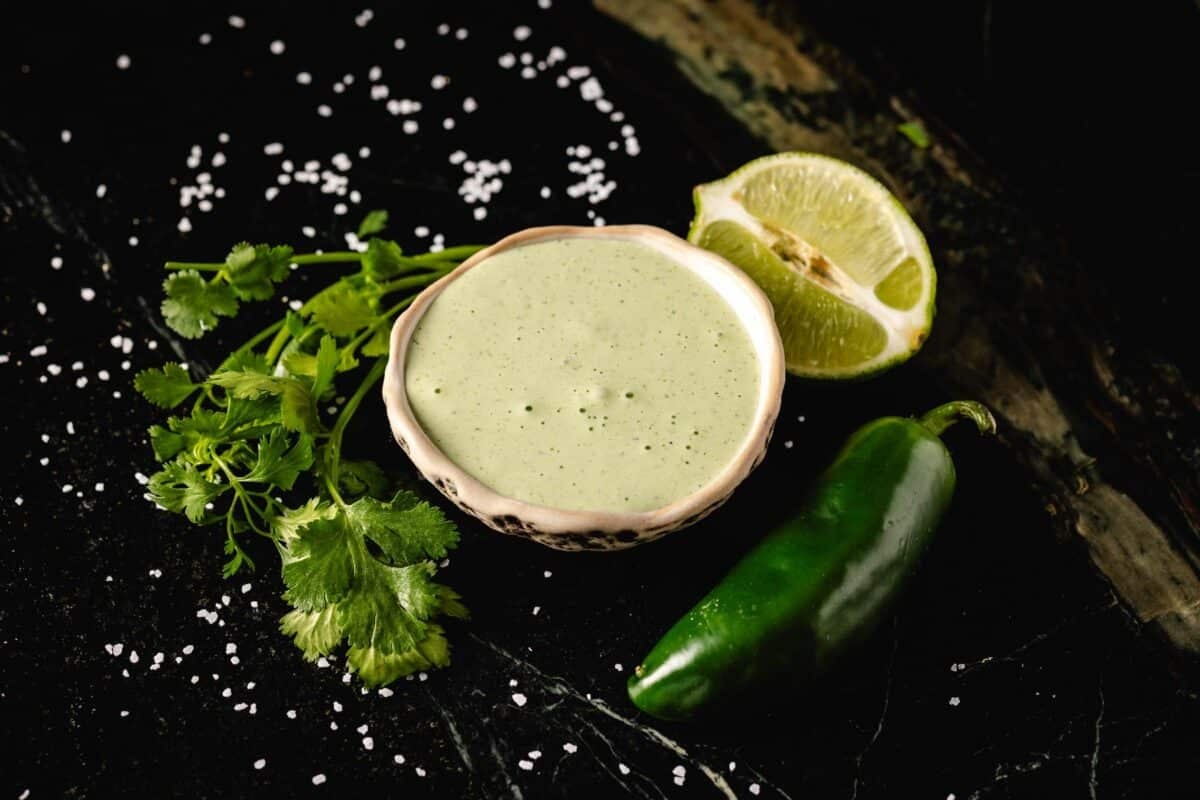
x=337, y=257
x=247, y=504
x=412, y=281
x=339, y=427
x=263, y=334
x=459, y=253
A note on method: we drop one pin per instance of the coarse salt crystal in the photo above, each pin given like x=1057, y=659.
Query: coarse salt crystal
x=519, y=699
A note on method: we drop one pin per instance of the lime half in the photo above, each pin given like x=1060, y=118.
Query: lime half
x=847, y=270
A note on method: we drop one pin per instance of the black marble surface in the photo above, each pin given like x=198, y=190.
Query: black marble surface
x=1007, y=671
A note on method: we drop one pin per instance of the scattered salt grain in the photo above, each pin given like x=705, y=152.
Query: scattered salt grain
x=954, y=701
x=277, y=47
x=236, y=22
x=260, y=763
x=87, y=294
x=318, y=779
x=519, y=699
x=525, y=764
x=570, y=748
x=755, y=789
x=368, y=743
x=623, y=769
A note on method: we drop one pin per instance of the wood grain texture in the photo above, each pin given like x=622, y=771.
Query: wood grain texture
x=1108, y=434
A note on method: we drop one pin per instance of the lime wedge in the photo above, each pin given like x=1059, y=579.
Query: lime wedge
x=847, y=270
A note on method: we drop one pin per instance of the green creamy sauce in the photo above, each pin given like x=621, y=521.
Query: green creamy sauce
x=584, y=374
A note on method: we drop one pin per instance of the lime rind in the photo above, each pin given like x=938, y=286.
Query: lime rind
x=907, y=327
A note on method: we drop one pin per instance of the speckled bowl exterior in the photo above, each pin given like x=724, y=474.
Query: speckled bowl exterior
x=595, y=530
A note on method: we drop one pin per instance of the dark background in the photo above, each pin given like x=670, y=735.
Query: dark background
x=1081, y=110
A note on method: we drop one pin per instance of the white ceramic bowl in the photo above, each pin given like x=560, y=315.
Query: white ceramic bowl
x=596, y=530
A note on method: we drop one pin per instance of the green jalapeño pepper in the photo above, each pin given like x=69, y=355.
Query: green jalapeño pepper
x=817, y=584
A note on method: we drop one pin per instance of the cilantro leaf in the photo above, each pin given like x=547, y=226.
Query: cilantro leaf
x=343, y=310
x=246, y=359
x=166, y=444
x=193, y=304
x=405, y=535
x=316, y=633
x=372, y=223
x=451, y=603
x=362, y=477
x=277, y=464
x=378, y=344
x=247, y=418
x=179, y=486
x=296, y=407
x=320, y=564
x=384, y=259
x=253, y=270
x=165, y=387
x=327, y=365
x=376, y=667
x=288, y=524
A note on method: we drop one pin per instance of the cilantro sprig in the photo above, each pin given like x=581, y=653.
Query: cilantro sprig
x=259, y=450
